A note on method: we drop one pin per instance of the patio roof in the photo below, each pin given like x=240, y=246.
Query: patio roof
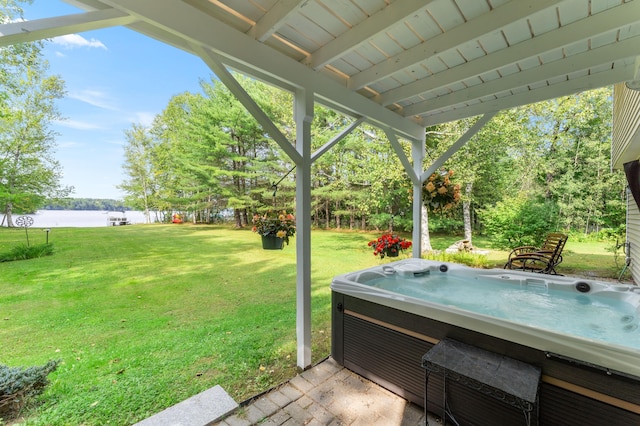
x=402, y=64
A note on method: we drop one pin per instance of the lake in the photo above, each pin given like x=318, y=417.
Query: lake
x=79, y=218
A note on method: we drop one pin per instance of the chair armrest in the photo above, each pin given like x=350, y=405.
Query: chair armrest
x=522, y=250
x=533, y=256
x=530, y=262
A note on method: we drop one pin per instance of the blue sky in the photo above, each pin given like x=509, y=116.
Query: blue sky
x=114, y=77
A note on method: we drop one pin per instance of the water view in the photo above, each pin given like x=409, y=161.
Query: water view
x=81, y=218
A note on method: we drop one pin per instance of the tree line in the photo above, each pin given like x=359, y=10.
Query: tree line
x=86, y=204
x=530, y=170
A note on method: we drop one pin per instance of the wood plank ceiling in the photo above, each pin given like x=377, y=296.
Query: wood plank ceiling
x=399, y=63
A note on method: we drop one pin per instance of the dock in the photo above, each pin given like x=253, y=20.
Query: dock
x=117, y=221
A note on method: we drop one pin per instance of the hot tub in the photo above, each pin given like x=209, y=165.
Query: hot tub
x=584, y=335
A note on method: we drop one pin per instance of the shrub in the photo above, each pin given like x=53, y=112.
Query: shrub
x=23, y=252
x=464, y=258
x=397, y=222
x=18, y=385
x=450, y=225
x=519, y=221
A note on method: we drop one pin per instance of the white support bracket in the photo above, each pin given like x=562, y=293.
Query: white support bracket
x=408, y=167
x=238, y=91
x=457, y=145
x=327, y=146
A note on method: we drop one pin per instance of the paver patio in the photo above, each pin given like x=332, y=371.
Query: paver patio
x=328, y=394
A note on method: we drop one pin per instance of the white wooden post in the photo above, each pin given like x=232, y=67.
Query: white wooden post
x=417, y=153
x=303, y=114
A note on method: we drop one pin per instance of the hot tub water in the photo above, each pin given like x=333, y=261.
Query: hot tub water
x=601, y=316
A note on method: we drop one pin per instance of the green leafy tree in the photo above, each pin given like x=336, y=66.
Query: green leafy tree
x=177, y=189
x=29, y=173
x=208, y=153
x=555, y=153
x=138, y=165
x=574, y=145
x=519, y=221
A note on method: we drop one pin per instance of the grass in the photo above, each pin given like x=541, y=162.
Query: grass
x=143, y=317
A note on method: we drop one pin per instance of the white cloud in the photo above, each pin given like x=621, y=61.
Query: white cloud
x=72, y=41
x=144, y=118
x=74, y=124
x=118, y=142
x=93, y=97
x=67, y=144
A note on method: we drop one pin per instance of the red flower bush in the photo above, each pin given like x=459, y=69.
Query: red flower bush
x=389, y=245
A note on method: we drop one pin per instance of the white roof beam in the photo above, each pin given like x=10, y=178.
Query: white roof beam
x=364, y=31
x=584, y=60
x=38, y=29
x=86, y=4
x=274, y=18
x=245, y=99
x=196, y=28
x=566, y=88
x=609, y=20
x=475, y=28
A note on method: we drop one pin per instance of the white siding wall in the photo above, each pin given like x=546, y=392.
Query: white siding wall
x=625, y=143
x=625, y=147
x=633, y=236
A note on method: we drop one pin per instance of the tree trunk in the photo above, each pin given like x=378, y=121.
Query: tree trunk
x=245, y=217
x=7, y=213
x=425, y=246
x=327, y=218
x=466, y=211
x=352, y=220
x=238, y=218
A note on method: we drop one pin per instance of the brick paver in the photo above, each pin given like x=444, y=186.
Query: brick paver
x=279, y=398
x=291, y=392
x=267, y=406
x=302, y=384
x=329, y=394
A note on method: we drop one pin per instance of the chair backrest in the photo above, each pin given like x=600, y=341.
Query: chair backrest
x=554, y=243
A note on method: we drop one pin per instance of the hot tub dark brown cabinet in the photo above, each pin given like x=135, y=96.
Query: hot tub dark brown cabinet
x=386, y=345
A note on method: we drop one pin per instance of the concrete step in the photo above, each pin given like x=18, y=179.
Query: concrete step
x=199, y=410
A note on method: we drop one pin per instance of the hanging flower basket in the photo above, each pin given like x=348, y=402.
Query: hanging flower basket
x=270, y=242
x=440, y=194
x=389, y=245
x=275, y=229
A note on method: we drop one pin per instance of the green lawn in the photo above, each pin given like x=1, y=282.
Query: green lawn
x=145, y=316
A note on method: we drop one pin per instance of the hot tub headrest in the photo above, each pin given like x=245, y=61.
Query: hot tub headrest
x=411, y=269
